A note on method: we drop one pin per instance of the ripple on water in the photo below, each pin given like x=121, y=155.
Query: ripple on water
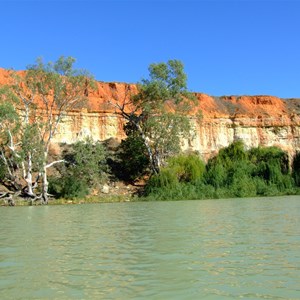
x=219, y=249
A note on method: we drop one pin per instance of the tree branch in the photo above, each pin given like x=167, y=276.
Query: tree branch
x=54, y=163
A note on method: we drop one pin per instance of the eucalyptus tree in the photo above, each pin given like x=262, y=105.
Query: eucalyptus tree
x=9, y=151
x=159, y=111
x=45, y=92
x=20, y=150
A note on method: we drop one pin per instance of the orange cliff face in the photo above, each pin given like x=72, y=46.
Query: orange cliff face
x=257, y=120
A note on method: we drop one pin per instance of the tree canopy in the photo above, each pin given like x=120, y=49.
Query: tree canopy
x=37, y=100
x=160, y=111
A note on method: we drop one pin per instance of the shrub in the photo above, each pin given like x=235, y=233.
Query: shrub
x=243, y=187
x=68, y=187
x=234, y=172
x=269, y=161
x=2, y=171
x=234, y=152
x=296, y=168
x=165, y=179
x=85, y=168
x=86, y=161
x=74, y=188
x=131, y=159
x=188, y=168
x=216, y=173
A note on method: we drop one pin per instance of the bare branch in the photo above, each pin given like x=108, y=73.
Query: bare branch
x=54, y=163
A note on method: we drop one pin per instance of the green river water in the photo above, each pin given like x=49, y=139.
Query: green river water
x=212, y=249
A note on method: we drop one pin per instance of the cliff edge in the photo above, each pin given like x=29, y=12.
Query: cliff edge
x=257, y=120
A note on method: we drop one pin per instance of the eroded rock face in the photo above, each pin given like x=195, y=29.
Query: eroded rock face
x=257, y=120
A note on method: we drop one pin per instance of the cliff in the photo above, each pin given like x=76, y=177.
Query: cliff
x=257, y=120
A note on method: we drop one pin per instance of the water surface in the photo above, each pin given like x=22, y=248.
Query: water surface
x=212, y=249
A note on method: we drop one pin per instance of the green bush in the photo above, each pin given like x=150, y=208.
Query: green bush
x=74, y=188
x=166, y=179
x=216, y=174
x=296, y=168
x=270, y=157
x=131, y=159
x=234, y=152
x=234, y=172
x=173, y=180
x=68, y=187
x=85, y=168
x=2, y=171
x=188, y=168
x=261, y=186
x=204, y=191
x=243, y=187
x=221, y=193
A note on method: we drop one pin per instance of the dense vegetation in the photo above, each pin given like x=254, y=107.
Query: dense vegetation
x=157, y=118
x=234, y=172
x=31, y=109
x=161, y=111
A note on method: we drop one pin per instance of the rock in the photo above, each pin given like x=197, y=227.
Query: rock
x=105, y=189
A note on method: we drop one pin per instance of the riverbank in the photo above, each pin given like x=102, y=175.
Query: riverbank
x=114, y=193
x=131, y=198
x=62, y=201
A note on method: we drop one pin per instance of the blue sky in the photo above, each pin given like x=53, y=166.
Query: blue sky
x=228, y=47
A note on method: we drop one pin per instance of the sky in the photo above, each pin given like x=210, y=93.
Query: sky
x=240, y=47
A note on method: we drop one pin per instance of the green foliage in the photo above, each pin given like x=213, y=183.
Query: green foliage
x=165, y=179
x=87, y=162
x=235, y=151
x=9, y=120
x=68, y=187
x=296, y=168
x=270, y=155
x=167, y=82
x=32, y=146
x=132, y=160
x=160, y=114
x=234, y=172
x=216, y=174
x=2, y=170
x=179, y=170
x=85, y=168
x=243, y=186
x=59, y=85
x=272, y=165
x=188, y=168
x=54, y=87
x=165, y=131
x=10, y=154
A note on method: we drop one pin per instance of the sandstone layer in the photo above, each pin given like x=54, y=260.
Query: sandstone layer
x=257, y=120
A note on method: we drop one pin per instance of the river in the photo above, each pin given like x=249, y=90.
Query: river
x=209, y=249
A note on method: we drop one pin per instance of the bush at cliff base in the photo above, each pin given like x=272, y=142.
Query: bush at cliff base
x=234, y=172
x=296, y=168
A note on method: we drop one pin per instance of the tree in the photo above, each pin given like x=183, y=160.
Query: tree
x=85, y=167
x=159, y=111
x=9, y=152
x=296, y=168
x=131, y=157
x=45, y=93
x=88, y=161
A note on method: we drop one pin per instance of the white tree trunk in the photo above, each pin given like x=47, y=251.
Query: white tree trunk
x=45, y=183
x=153, y=159
x=29, y=176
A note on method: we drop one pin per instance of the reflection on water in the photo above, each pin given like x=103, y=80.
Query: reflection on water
x=215, y=249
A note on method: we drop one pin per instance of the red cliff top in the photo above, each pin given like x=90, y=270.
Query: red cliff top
x=247, y=106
